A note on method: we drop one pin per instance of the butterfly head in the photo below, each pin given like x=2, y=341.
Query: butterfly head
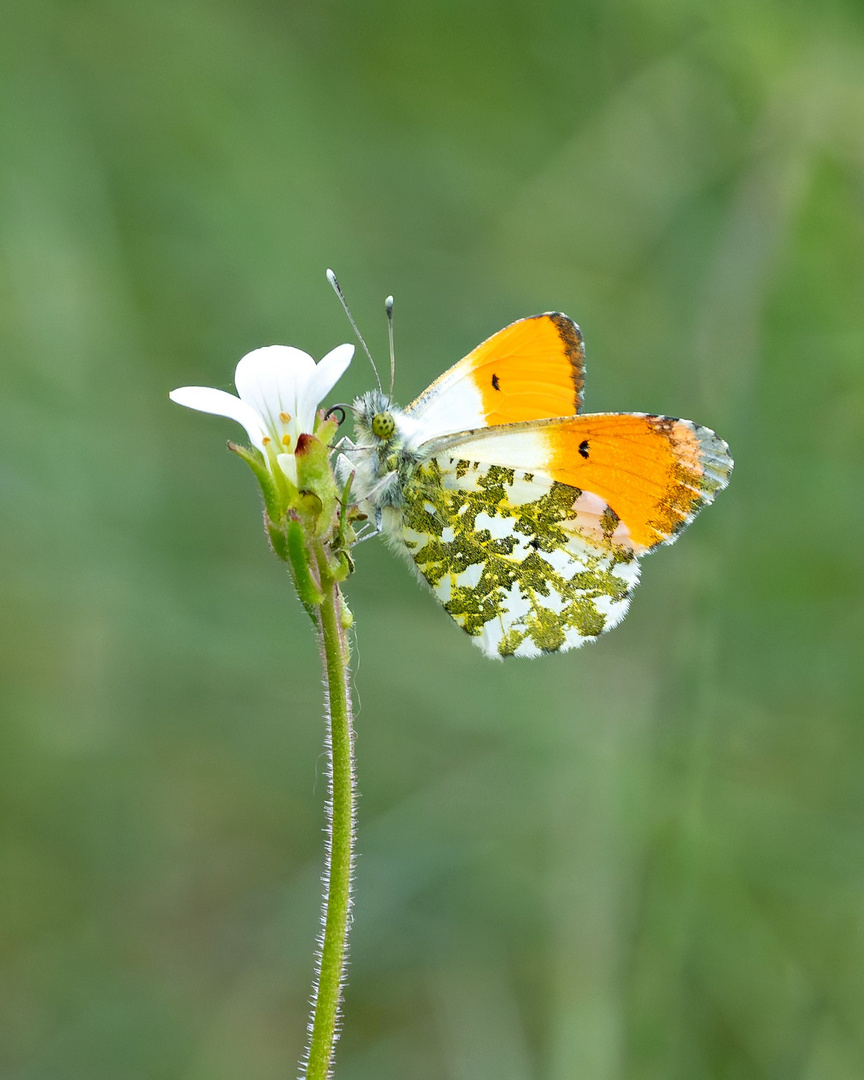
x=377, y=420
x=383, y=426
x=384, y=450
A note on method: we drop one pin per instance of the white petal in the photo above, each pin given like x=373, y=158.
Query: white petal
x=288, y=465
x=327, y=374
x=209, y=400
x=270, y=380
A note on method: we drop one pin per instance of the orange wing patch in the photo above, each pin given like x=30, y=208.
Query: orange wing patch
x=655, y=472
x=530, y=370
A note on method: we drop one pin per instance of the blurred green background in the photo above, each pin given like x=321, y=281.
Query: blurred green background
x=641, y=861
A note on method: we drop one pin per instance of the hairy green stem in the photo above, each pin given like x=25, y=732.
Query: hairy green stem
x=298, y=558
x=336, y=914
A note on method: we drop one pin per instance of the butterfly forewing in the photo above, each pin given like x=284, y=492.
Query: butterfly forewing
x=530, y=370
x=523, y=563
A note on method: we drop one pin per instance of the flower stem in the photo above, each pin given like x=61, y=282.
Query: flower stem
x=336, y=914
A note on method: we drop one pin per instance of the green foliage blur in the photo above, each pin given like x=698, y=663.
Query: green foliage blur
x=640, y=861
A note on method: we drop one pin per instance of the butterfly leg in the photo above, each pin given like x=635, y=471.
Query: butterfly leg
x=369, y=530
x=376, y=489
x=369, y=501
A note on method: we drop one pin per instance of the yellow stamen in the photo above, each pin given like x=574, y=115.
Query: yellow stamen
x=266, y=439
x=284, y=417
x=286, y=441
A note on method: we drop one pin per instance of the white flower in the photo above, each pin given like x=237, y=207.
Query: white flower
x=279, y=390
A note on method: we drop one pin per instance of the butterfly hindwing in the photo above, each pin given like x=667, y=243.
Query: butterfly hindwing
x=654, y=472
x=523, y=563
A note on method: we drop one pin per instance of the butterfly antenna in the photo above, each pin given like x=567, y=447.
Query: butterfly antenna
x=331, y=277
x=388, y=307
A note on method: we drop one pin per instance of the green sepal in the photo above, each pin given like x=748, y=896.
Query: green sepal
x=315, y=475
x=278, y=539
x=325, y=430
x=336, y=564
x=255, y=460
x=298, y=557
x=340, y=565
x=309, y=507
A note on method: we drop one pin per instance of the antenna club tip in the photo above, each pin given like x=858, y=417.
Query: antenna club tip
x=388, y=305
x=331, y=277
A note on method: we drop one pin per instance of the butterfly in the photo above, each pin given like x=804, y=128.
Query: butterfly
x=526, y=517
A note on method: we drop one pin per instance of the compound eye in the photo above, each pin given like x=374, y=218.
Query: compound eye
x=383, y=426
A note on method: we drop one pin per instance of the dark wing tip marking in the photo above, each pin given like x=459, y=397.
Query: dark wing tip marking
x=571, y=339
